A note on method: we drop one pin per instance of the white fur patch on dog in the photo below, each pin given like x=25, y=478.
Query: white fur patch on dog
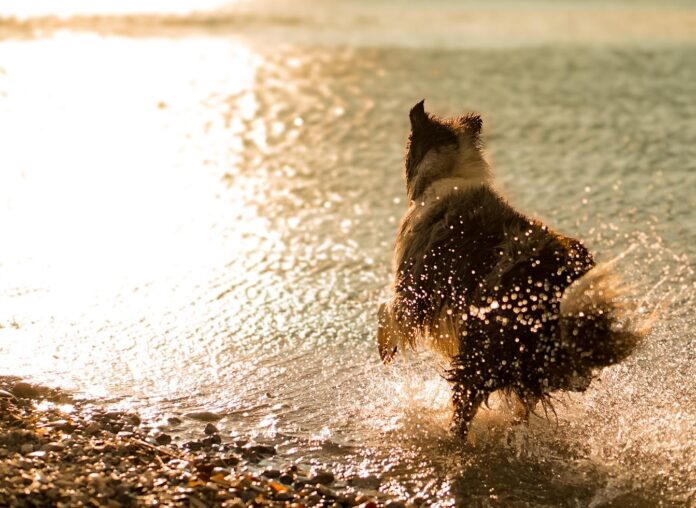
x=442, y=337
x=463, y=166
x=445, y=186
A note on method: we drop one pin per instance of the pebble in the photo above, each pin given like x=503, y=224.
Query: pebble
x=247, y=495
x=300, y=481
x=25, y=464
x=194, y=445
x=235, y=502
x=4, y=394
x=53, y=447
x=284, y=496
x=286, y=478
x=326, y=491
x=53, y=493
x=92, y=429
x=313, y=499
x=323, y=476
x=62, y=425
x=211, y=440
x=204, y=416
x=96, y=479
x=262, y=449
x=229, y=459
x=347, y=499
x=113, y=415
x=25, y=390
x=103, y=457
x=251, y=457
x=163, y=439
x=370, y=482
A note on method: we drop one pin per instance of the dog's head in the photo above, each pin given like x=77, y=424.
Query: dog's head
x=442, y=148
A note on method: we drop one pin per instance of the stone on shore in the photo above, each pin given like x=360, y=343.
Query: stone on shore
x=24, y=390
x=203, y=416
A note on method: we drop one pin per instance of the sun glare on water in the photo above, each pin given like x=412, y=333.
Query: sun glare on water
x=111, y=177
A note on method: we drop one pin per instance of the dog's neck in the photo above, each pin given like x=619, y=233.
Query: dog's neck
x=442, y=188
x=463, y=168
x=469, y=172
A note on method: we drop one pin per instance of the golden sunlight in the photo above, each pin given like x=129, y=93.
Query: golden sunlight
x=347, y=252
x=111, y=178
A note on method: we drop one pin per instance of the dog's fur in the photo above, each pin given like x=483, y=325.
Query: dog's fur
x=512, y=304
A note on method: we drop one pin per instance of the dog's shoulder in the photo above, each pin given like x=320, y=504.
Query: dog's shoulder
x=462, y=227
x=458, y=205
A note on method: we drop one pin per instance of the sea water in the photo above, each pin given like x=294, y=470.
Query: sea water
x=197, y=213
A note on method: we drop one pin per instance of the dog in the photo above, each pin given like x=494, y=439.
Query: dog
x=513, y=305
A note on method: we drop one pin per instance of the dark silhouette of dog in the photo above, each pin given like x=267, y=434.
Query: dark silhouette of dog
x=515, y=306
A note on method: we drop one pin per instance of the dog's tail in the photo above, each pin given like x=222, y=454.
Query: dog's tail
x=600, y=326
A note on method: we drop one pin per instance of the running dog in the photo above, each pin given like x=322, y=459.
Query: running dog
x=512, y=304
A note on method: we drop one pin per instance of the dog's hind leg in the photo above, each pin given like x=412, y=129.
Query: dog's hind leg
x=466, y=404
x=524, y=405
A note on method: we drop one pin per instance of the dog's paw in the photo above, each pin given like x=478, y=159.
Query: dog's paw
x=386, y=340
x=461, y=430
x=387, y=355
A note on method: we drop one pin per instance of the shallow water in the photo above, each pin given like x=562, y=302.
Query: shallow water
x=202, y=219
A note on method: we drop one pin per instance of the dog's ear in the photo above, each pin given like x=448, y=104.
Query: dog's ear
x=472, y=123
x=418, y=116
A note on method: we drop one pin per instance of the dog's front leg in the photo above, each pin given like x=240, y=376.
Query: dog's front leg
x=387, y=333
x=466, y=404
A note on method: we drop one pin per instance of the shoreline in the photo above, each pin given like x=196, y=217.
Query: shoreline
x=457, y=26
x=60, y=451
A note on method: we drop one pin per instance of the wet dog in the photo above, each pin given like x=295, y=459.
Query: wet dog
x=514, y=305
